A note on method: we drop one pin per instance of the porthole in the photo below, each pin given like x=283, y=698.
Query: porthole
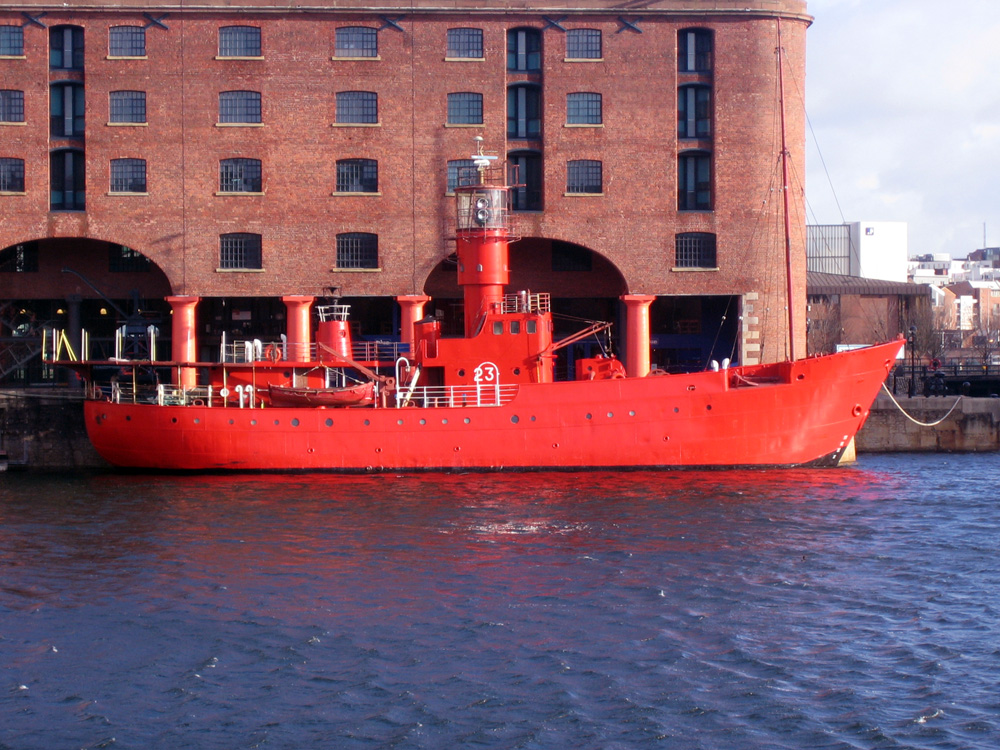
x=276, y=423
x=514, y=419
x=232, y=421
x=532, y=419
x=329, y=423
x=197, y=421
x=253, y=422
x=128, y=417
x=174, y=420
x=467, y=420
x=631, y=413
x=611, y=414
x=708, y=407
x=423, y=421
x=367, y=422
x=399, y=422
x=461, y=373
x=676, y=410
x=517, y=370
x=295, y=423
x=444, y=421
x=590, y=416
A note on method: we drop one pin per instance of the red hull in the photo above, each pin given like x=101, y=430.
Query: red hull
x=794, y=414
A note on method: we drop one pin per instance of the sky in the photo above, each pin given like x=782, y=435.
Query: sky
x=903, y=98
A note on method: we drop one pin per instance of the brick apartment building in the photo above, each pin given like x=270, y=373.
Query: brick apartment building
x=234, y=153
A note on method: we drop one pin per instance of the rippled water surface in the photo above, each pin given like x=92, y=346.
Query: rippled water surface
x=851, y=608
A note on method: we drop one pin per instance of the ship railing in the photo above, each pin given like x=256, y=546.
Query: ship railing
x=333, y=312
x=256, y=350
x=526, y=302
x=161, y=394
x=459, y=395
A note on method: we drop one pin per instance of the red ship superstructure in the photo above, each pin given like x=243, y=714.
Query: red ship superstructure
x=487, y=399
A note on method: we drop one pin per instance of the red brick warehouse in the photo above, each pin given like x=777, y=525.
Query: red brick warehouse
x=235, y=153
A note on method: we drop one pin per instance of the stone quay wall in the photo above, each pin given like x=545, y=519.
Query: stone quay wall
x=973, y=426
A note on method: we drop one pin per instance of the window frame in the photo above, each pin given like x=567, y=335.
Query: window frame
x=464, y=107
x=525, y=112
x=698, y=59
x=581, y=174
x=75, y=48
x=240, y=42
x=11, y=174
x=580, y=109
x=128, y=170
x=356, y=104
x=244, y=172
x=456, y=168
x=239, y=103
x=123, y=108
x=11, y=105
x=20, y=258
x=357, y=173
x=245, y=251
x=463, y=40
x=11, y=40
x=77, y=118
x=125, y=38
x=690, y=184
x=360, y=255
x=701, y=119
x=365, y=39
x=698, y=250
x=76, y=174
x=524, y=50
x=582, y=41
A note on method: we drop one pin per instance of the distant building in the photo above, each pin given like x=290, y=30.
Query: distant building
x=865, y=249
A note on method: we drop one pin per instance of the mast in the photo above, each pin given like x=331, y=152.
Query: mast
x=784, y=195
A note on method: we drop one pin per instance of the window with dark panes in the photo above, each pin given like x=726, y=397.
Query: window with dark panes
x=239, y=107
x=524, y=50
x=526, y=195
x=357, y=250
x=584, y=176
x=524, y=112
x=66, y=48
x=240, y=176
x=127, y=41
x=465, y=108
x=128, y=175
x=240, y=250
x=462, y=172
x=694, y=250
x=694, y=50
x=357, y=107
x=128, y=106
x=694, y=112
x=239, y=41
x=584, y=108
x=11, y=175
x=356, y=41
x=67, y=180
x=583, y=44
x=465, y=43
x=11, y=41
x=123, y=259
x=66, y=110
x=357, y=176
x=11, y=105
x=694, y=181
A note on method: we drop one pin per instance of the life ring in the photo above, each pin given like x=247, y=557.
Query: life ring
x=617, y=376
x=272, y=353
x=935, y=364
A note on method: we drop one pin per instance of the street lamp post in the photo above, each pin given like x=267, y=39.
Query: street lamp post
x=910, y=343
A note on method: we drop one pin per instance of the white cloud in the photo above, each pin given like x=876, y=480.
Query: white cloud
x=904, y=100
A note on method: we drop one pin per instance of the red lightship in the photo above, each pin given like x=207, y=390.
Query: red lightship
x=484, y=401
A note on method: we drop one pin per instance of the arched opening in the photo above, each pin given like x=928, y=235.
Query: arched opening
x=73, y=284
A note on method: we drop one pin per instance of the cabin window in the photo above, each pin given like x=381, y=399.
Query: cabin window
x=497, y=327
x=465, y=44
x=531, y=326
x=515, y=327
x=583, y=44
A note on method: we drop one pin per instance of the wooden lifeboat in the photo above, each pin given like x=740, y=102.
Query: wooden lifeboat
x=361, y=394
